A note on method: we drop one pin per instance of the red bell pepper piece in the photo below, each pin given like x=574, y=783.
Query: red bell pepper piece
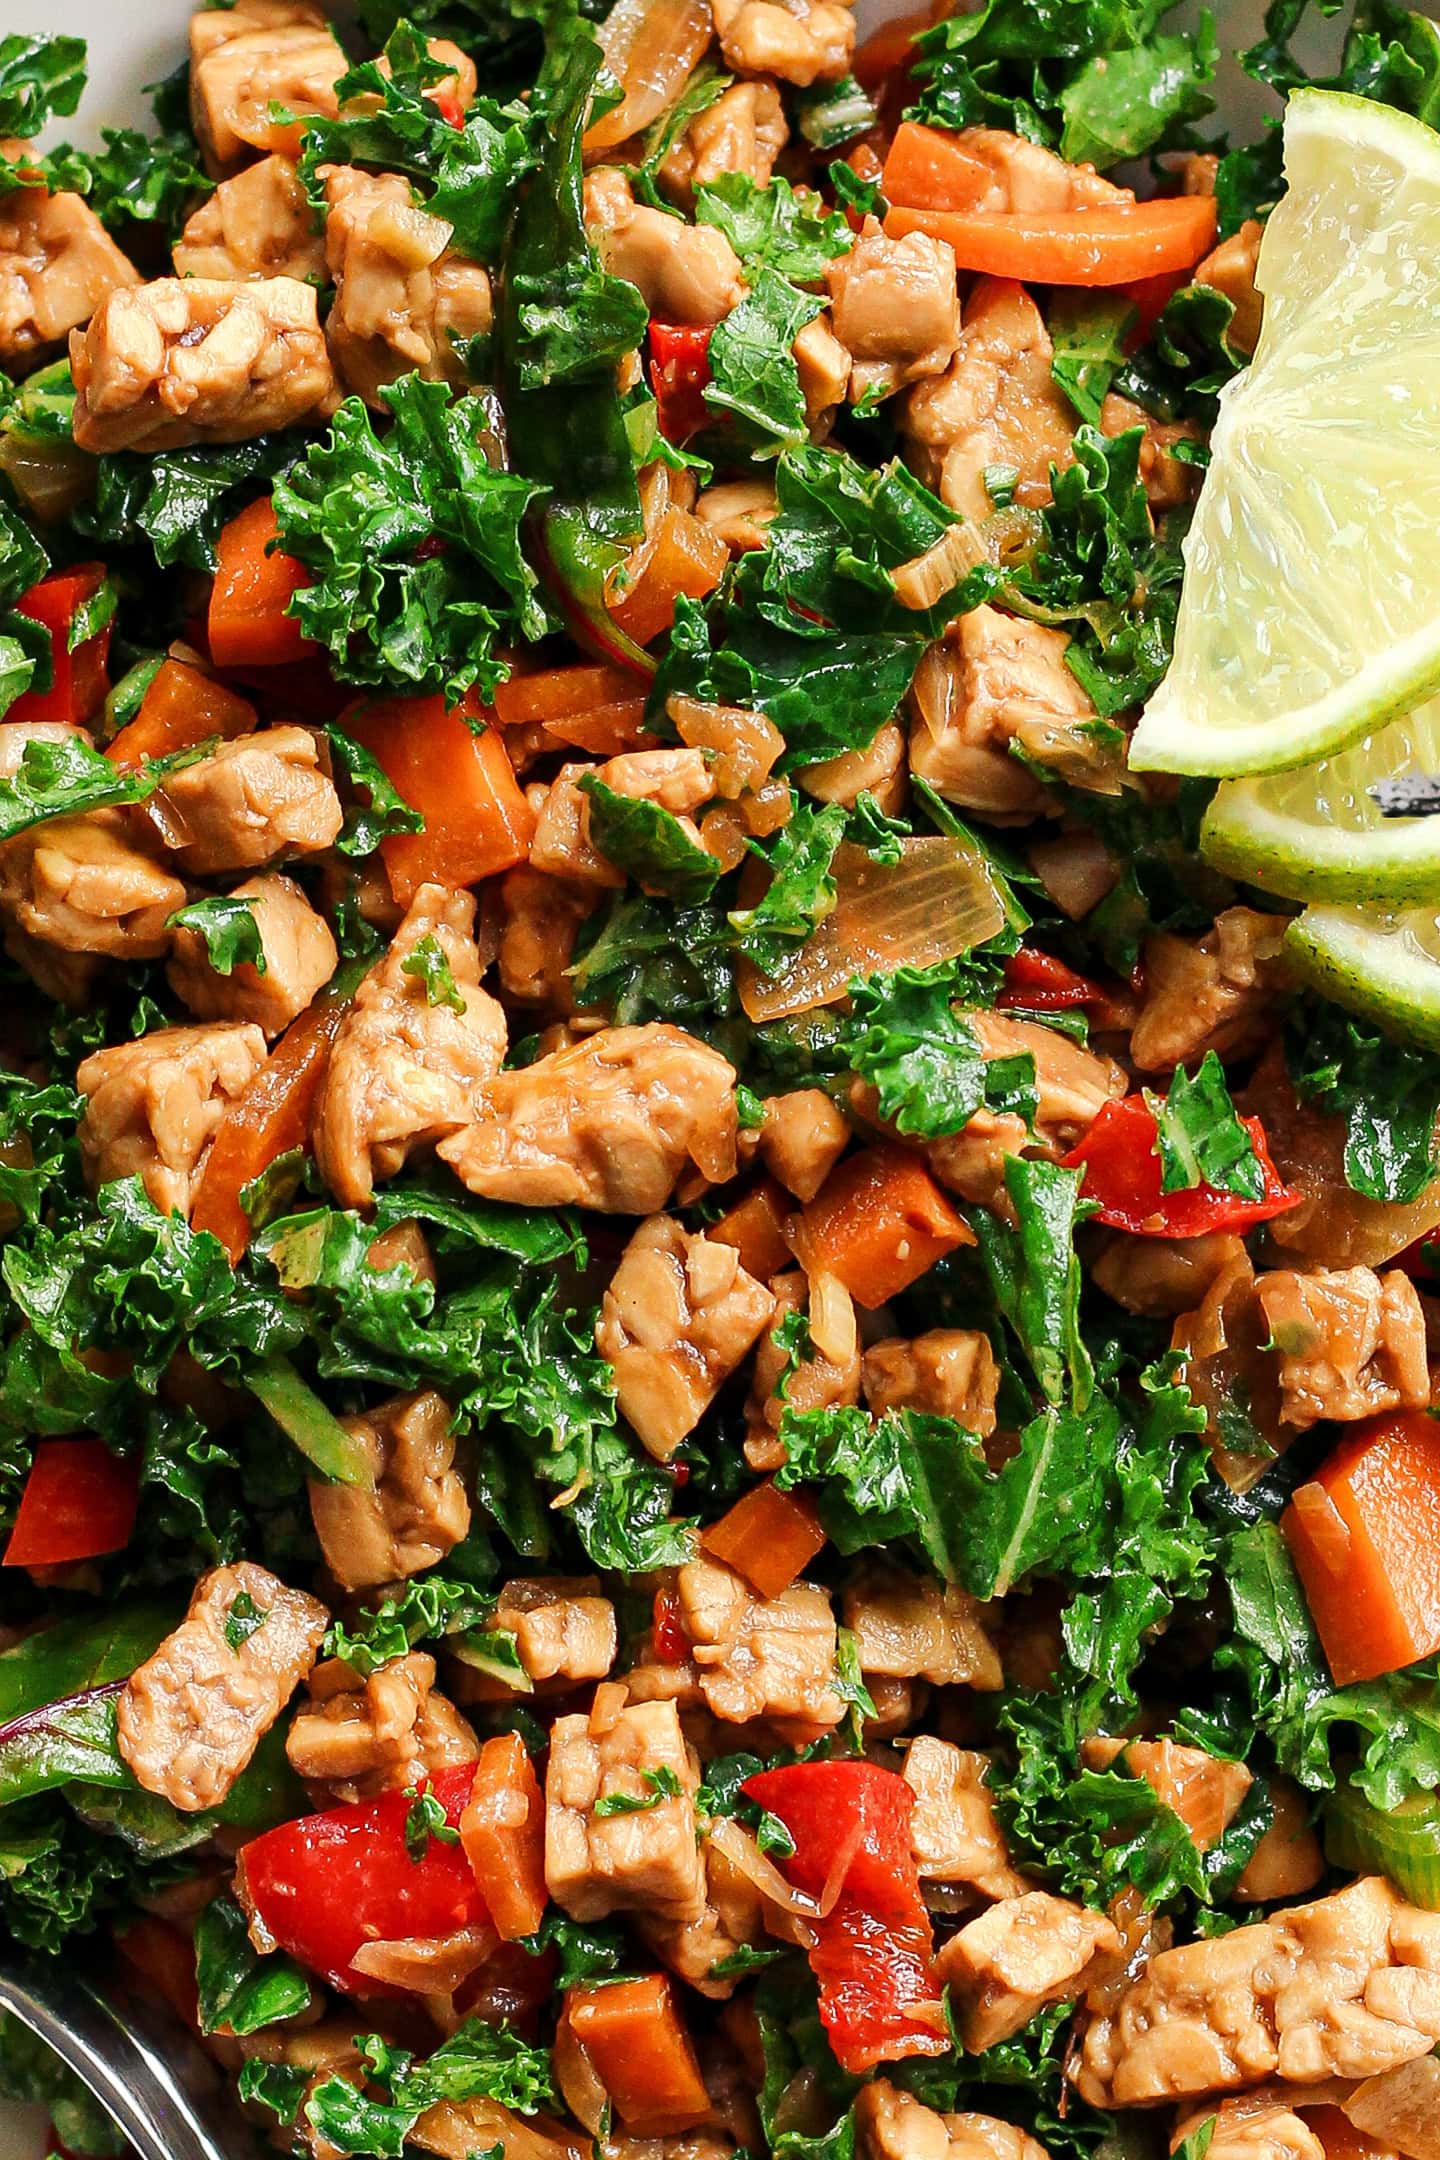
x=326, y=1884
x=668, y=1638
x=679, y=372
x=879, y=1999
x=1041, y=983
x=79, y=1501
x=1123, y=1172
x=79, y=680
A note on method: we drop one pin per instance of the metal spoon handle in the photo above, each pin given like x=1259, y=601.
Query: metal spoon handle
x=131, y=2063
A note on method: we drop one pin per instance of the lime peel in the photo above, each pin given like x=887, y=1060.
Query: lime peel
x=1309, y=615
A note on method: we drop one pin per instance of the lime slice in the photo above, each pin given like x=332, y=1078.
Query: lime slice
x=1318, y=833
x=1310, y=612
x=1386, y=965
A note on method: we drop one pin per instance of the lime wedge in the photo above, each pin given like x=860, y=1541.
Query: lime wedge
x=1310, y=613
x=1386, y=965
x=1319, y=833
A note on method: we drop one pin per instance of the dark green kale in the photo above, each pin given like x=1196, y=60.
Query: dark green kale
x=1104, y=572
x=564, y=326
x=1200, y=1139
x=25, y=651
x=469, y=175
x=480, y=2061
x=174, y=502
x=512, y=1357
x=810, y=630
x=1387, y=1092
x=1088, y=333
x=754, y=377
x=240, y=1991
x=64, y=777
x=905, y=1037
x=1180, y=370
x=144, y=180
x=413, y=543
x=427, y=964
x=1391, y=54
x=647, y=960
x=649, y=844
x=384, y=810
x=833, y=113
x=274, y=2086
x=801, y=891
x=1385, y=1731
x=40, y=78
x=783, y=241
x=229, y=930
x=772, y=226
x=1097, y=80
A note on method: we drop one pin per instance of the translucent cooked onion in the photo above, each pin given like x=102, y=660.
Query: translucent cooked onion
x=934, y=904
x=579, y=2081
x=51, y=478
x=740, y=1849
x=427, y=1965
x=650, y=47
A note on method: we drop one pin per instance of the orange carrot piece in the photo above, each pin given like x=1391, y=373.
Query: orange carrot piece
x=182, y=706
x=477, y=822
x=1113, y=244
x=503, y=1833
x=930, y=169
x=879, y=1223
x=266, y=1120
x=1363, y=1538
x=248, y=624
x=755, y=1226
x=769, y=1537
x=684, y=555
x=596, y=708
x=641, y=2052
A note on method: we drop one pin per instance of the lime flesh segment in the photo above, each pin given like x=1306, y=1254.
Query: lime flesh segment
x=1316, y=833
x=1310, y=612
x=1385, y=965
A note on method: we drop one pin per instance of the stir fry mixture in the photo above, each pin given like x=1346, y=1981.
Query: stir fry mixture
x=714, y=1377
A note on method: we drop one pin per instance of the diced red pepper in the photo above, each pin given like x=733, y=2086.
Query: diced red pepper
x=77, y=690
x=872, y=1955
x=679, y=372
x=1036, y=981
x=1123, y=1173
x=1040, y=982
x=326, y=1884
x=667, y=1633
x=79, y=1501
